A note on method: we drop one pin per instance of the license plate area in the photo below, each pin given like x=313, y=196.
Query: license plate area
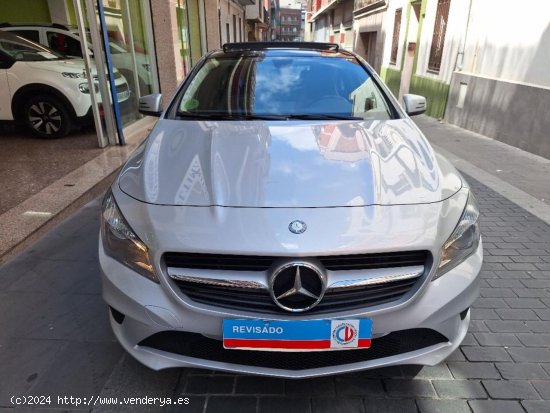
x=297, y=335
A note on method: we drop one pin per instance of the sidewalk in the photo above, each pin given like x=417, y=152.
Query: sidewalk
x=519, y=176
x=27, y=214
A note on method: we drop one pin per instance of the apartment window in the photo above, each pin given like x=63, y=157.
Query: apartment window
x=395, y=40
x=438, y=39
x=228, y=33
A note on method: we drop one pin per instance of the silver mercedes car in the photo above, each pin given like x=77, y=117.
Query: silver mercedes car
x=285, y=217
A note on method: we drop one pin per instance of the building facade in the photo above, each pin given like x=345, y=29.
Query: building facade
x=153, y=43
x=291, y=24
x=500, y=86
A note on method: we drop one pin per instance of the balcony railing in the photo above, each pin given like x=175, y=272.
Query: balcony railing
x=368, y=4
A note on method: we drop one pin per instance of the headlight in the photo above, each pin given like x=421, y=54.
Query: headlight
x=84, y=88
x=73, y=75
x=121, y=243
x=464, y=240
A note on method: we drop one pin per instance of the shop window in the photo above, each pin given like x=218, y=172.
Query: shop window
x=438, y=39
x=395, y=40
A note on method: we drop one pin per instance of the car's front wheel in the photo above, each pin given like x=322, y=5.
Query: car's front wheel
x=47, y=117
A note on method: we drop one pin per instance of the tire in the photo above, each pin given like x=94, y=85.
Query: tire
x=46, y=116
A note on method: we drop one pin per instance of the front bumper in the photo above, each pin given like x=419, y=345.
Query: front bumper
x=148, y=309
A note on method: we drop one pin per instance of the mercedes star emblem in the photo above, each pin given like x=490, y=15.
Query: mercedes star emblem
x=297, y=286
x=297, y=227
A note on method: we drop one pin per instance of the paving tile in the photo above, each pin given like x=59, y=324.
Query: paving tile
x=543, y=388
x=543, y=314
x=536, y=406
x=390, y=406
x=507, y=326
x=443, y=406
x=241, y=404
x=459, y=389
x=466, y=370
x=285, y=404
x=538, y=326
x=439, y=371
x=409, y=388
x=486, y=354
x=210, y=385
x=521, y=371
x=516, y=314
x=79, y=369
x=353, y=386
x=530, y=354
x=492, y=406
x=516, y=389
x=534, y=339
x=337, y=405
x=23, y=362
x=524, y=303
x=497, y=339
x=259, y=385
x=317, y=386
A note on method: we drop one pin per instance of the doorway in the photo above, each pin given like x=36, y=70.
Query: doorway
x=368, y=41
x=410, y=52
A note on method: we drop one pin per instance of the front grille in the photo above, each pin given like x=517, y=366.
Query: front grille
x=259, y=300
x=262, y=263
x=256, y=300
x=198, y=346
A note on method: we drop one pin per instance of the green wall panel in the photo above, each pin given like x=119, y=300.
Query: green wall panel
x=25, y=11
x=392, y=78
x=436, y=94
x=71, y=14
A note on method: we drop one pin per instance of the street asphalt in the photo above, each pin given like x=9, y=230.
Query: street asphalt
x=55, y=338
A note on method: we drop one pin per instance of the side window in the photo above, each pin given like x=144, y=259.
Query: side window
x=64, y=44
x=33, y=35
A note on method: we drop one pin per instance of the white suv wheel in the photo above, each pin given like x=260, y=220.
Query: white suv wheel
x=47, y=117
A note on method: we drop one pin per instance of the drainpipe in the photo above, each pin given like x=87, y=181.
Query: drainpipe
x=460, y=54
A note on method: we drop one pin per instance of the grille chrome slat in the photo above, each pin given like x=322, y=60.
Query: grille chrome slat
x=241, y=282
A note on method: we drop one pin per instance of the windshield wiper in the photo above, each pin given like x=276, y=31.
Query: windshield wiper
x=228, y=116
x=320, y=116
x=244, y=116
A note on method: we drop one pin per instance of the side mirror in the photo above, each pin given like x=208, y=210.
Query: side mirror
x=414, y=104
x=151, y=105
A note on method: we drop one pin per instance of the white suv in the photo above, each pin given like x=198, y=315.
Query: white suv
x=42, y=90
x=65, y=40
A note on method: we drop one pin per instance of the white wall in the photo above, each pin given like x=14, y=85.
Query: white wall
x=390, y=24
x=454, y=38
x=509, y=40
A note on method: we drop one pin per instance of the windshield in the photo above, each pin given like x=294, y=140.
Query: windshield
x=278, y=87
x=25, y=51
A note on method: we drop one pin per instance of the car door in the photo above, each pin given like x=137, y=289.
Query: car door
x=5, y=97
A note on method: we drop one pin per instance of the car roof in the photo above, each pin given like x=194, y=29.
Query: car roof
x=51, y=25
x=288, y=49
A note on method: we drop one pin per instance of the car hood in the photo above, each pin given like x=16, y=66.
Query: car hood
x=65, y=65
x=287, y=164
